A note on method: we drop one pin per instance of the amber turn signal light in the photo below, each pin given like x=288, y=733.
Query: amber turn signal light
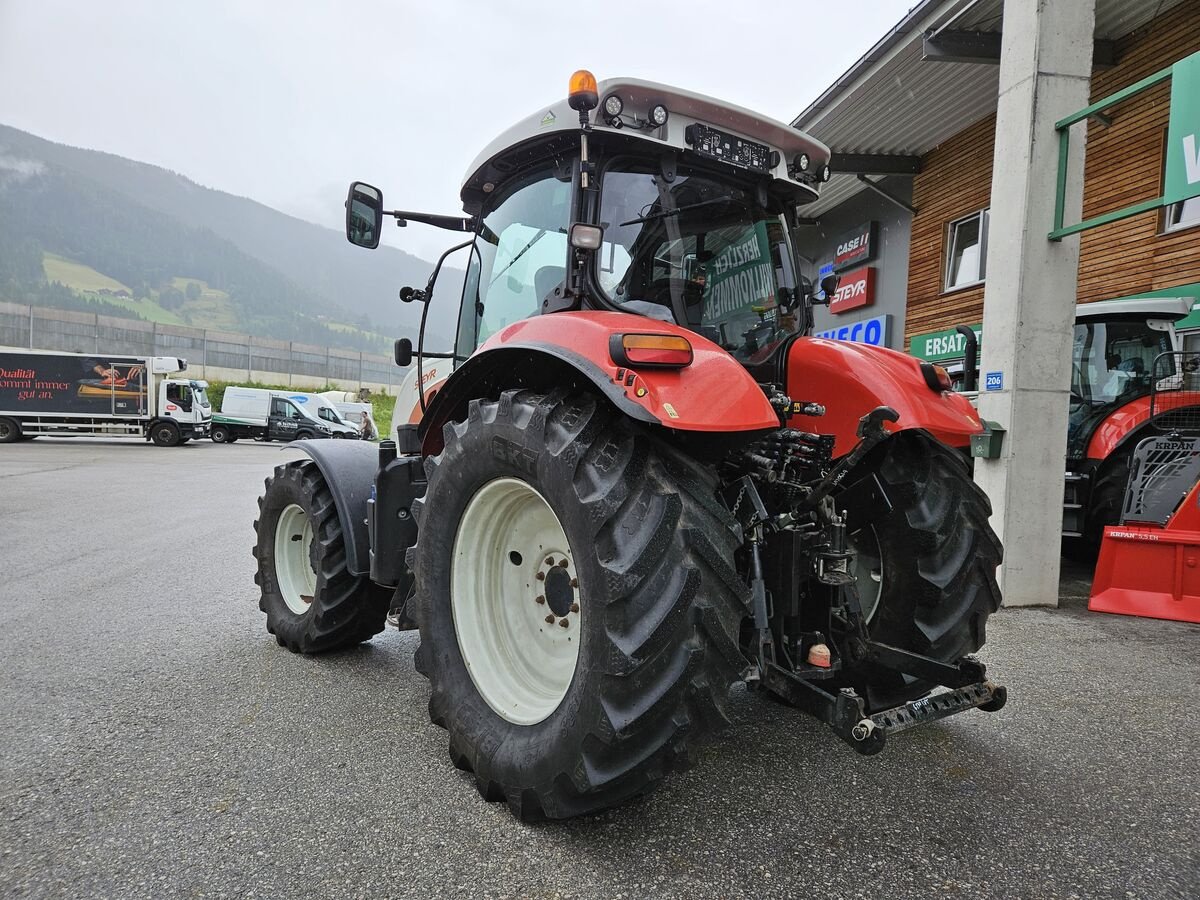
x=668, y=351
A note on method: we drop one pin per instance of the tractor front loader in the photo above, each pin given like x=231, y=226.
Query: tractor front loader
x=641, y=480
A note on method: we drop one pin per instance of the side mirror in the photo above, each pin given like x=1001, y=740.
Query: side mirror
x=829, y=284
x=404, y=355
x=364, y=215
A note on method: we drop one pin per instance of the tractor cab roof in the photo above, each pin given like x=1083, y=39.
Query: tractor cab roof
x=695, y=124
x=1173, y=308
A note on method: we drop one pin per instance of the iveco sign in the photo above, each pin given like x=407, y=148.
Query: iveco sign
x=875, y=331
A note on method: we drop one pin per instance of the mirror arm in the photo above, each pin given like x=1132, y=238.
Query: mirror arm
x=425, y=315
x=450, y=223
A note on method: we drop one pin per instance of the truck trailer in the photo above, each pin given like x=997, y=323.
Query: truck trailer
x=98, y=395
x=266, y=415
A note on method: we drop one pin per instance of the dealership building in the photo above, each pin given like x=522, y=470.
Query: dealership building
x=912, y=126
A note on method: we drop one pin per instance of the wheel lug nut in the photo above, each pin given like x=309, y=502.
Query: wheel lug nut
x=550, y=619
x=574, y=607
x=563, y=623
x=540, y=599
x=541, y=576
x=549, y=560
x=562, y=563
x=574, y=582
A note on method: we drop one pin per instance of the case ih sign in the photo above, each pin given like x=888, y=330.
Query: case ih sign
x=855, y=247
x=856, y=290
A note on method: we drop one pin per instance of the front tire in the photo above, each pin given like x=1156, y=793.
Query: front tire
x=928, y=566
x=165, y=434
x=561, y=721
x=221, y=435
x=313, y=604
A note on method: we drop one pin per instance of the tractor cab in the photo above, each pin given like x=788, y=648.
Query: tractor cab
x=1116, y=360
x=633, y=197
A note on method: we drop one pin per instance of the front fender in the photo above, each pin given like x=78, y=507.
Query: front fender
x=851, y=379
x=714, y=394
x=349, y=469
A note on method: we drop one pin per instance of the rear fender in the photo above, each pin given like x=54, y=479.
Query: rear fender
x=713, y=396
x=349, y=469
x=851, y=379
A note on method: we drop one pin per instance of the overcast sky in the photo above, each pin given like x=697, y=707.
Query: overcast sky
x=287, y=102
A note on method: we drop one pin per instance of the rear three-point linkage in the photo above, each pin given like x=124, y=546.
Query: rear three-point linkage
x=795, y=466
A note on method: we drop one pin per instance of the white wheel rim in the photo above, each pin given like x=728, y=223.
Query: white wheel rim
x=867, y=569
x=510, y=596
x=293, y=560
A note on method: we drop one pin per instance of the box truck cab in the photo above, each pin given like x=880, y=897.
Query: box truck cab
x=98, y=395
x=266, y=415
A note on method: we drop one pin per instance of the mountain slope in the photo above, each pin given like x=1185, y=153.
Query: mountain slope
x=328, y=276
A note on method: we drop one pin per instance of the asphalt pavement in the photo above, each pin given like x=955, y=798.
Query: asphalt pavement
x=155, y=742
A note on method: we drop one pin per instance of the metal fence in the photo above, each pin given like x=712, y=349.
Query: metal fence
x=210, y=354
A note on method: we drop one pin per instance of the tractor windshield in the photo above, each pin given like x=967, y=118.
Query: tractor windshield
x=1114, y=360
x=1112, y=363
x=698, y=251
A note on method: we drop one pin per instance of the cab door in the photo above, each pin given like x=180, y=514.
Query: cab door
x=284, y=420
x=179, y=402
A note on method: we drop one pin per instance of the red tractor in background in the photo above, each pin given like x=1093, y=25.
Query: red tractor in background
x=642, y=482
x=1126, y=385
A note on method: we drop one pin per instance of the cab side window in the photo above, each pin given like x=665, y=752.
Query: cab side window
x=520, y=257
x=180, y=394
x=280, y=408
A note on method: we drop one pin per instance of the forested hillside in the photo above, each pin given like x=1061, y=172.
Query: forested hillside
x=190, y=254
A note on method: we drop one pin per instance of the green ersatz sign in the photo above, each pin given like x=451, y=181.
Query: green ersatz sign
x=936, y=346
x=1183, y=133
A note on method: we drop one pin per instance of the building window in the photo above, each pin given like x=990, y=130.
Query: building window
x=967, y=258
x=1183, y=214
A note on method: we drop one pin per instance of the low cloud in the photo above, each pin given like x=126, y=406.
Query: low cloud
x=13, y=169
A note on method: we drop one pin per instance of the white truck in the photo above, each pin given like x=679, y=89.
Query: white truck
x=328, y=412
x=97, y=395
x=266, y=415
x=354, y=411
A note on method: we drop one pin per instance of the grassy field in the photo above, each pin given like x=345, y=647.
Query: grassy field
x=78, y=276
x=213, y=309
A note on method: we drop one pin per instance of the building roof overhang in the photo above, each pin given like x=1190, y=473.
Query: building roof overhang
x=913, y=89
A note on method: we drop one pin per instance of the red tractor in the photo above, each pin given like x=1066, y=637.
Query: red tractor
x=642, y=482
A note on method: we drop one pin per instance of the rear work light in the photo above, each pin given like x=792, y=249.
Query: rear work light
x=666, y=351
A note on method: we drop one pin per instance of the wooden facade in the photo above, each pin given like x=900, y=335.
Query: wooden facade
x=1123, y=166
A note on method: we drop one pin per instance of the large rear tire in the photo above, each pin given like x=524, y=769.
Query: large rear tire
x=313, y=604
x=565, y=720
x=928, y=566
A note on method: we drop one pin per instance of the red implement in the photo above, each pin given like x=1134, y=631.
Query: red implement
x=1150, y=570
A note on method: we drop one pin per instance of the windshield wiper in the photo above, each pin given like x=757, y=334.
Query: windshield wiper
x=677, y=210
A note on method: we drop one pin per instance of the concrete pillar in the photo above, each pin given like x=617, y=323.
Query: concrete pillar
x=1029, y=300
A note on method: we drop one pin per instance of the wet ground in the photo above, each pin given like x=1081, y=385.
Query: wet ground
x=154, y=740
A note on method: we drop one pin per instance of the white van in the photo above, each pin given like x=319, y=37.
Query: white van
x=326, y=411
x=267, y=416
